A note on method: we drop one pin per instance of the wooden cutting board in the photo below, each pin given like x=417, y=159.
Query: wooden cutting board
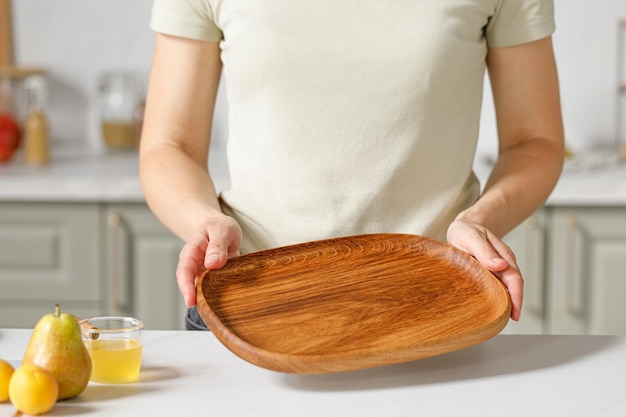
x=7, y=64
x=351, y=303
x=6, y=35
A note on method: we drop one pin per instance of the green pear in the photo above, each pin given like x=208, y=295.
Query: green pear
x=56, y=345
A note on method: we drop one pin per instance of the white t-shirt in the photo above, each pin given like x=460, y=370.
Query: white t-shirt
x=352, y=116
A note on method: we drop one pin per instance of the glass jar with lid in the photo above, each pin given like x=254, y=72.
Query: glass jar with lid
x=119, y=96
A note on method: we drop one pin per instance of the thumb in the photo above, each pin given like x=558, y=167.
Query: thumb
x=215, y=257
x=495, y=255
x=493, y=262
x=488, y=256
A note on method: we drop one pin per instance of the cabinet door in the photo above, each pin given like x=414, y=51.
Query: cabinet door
x=142, y=256
x=588, y=271
x=528, y=243
x=49, y=254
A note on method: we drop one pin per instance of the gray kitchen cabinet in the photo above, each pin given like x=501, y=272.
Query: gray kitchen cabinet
x=528, y=242
x=106, y=258
x=91, y=258
x=573, y=260
x=140, y=267
x=588, y=271
x=49, y=253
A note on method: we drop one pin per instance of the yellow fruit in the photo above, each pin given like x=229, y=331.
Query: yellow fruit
x=57, y=346
x=33, y=390
x=6, y=370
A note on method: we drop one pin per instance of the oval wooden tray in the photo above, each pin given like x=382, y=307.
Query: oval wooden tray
x=351, y=303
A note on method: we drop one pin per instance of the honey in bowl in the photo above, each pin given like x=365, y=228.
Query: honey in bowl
x=114, y=344
x=114, y=361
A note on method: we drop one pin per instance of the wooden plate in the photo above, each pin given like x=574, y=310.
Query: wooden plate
x=351, y=303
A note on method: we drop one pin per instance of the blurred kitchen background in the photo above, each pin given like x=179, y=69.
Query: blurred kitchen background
x=76, y=40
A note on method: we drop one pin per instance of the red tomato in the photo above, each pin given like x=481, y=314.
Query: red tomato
x=9, y=136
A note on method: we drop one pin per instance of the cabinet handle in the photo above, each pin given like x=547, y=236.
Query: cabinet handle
x=119, y=300
x=571, y=228
x=534, y=295
x=114, y=220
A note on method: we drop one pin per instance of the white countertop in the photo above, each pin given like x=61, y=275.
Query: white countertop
x=73, y=175
x=596, y=179
x=191, y=373
x=83, y=175
x=79, y=174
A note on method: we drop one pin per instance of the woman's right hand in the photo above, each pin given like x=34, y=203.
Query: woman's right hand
x=174, y=156
x=209, y=248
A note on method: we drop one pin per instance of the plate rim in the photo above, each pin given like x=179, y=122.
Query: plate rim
x=315, y=363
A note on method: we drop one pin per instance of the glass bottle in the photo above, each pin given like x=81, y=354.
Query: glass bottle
x=36, y=131
x=6, y=95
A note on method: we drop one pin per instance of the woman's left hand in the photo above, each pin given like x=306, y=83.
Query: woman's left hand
x=493, y=254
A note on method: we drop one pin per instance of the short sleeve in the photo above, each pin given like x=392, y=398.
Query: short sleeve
x=520, y=21
x=185, y=18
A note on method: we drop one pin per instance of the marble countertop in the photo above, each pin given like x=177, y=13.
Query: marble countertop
x=79, y=174
x=191, y=373
x=74, y=174
x=595, y=179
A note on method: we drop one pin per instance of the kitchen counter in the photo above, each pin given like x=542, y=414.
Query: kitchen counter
x=80, y=174
x=74, y=175
x=597, y=179
x=84, y=175
x=191, y=373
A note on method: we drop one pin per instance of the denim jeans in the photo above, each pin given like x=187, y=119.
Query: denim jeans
x=193, y=321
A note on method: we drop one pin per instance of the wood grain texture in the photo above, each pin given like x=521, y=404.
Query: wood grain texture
x=351, y=303
x=7, y=65
x=6, y=34
x=20, y=72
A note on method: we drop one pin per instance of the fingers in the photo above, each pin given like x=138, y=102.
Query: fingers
x=513, y=281
x=223, y=244
x=217, y=254
x=189, y=268
x=498, y=258
x=210, y=248
x=494, y=255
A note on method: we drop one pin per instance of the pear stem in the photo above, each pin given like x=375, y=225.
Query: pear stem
x=57, y=310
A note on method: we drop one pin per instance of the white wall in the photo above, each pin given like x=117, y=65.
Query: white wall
x=585, y=45
x=77, y=39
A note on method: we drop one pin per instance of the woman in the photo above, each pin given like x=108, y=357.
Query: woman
x=349, y=117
